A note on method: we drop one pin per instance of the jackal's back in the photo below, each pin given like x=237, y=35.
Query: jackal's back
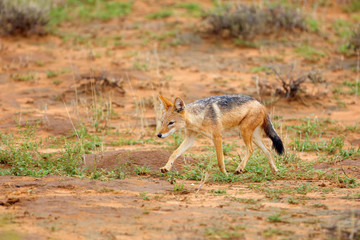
x=226, y=110
x=224, y=102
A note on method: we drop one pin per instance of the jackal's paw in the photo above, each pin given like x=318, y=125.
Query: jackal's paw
x=164, y=169
x=240, y=171
x=274, y=170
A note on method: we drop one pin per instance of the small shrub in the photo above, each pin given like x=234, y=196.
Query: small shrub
x=162, y=14
x=274, y=218
x=354, y=42
x=247, y=21
x=179, y=187
x=24, y=17
x=142, y=170
x=218, y=191
x=289, y=85
x=353, y=6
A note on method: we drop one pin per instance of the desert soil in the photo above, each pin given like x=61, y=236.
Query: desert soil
x=147, y=207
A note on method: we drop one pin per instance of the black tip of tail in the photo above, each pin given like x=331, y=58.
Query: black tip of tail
x=277, y=144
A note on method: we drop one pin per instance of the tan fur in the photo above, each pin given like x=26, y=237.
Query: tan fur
x=249, y=117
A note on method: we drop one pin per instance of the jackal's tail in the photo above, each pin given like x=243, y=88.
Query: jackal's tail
x=270, y=132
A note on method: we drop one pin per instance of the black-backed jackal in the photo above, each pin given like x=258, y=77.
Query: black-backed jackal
x=210, y=116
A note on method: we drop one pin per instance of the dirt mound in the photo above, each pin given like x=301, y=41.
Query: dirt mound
x=153, y=159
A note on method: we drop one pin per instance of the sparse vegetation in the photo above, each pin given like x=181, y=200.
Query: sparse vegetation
x=161, y=14
x=87, y=10
x=311, y=54
x=244, y=21
x=354, y=42
x=274, y=218
x=290, y=84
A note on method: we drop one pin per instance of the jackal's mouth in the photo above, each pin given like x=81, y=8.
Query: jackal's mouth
x=160, y=135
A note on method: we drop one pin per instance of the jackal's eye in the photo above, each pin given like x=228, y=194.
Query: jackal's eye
x=171, y=123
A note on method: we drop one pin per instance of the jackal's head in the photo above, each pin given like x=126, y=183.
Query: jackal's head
x=173, y=117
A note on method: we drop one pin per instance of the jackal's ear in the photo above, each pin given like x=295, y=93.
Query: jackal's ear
x=179, y=104
x=165, y=102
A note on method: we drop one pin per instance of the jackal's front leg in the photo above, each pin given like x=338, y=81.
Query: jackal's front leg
x=185, y=145
x=217, y=138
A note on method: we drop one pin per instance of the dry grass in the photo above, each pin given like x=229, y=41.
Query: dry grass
x=354, y=42
x=24, y=17
x=248, y=21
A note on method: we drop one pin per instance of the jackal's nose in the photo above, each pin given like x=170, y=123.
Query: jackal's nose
x=159, y=135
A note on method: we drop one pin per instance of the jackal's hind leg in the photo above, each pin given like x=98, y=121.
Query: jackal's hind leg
x=247, y=137
x=258, y=141
x=217, y=139
x=185, y=145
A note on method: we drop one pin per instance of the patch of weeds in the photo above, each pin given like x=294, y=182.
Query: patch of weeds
x=144, y=170
x=271, y=232
x=165, y=13
x=306, y=144
x=304, y=189
x=57, y=82
x=229, y=177
x=40, y=63
x=344, y=48
x=164, y=35
x=350, y=182
x=53, y=74
x=309, y=53
x=313, y=25
x=320, y=205
x=87, y=10
x=104, y=190
x=144, y=196
x=244, y=21
x=342, y=28
x=24, y=17
x=354, y=85
x=131, y=142
x=218, y=191
x=354, y=41
x=118, y=173
x=310, y=126
x=178, y=187
x=22, y=153
x=351, y=153
x=141, y=66
x=88, y=141
x=173, y=176
x=254, y=207
x=260, y=69
x=353, y=6
x=221, y=233
x=245, y=200
x=292, y=200
x=193, y=8
x=227, y=148
x=352, y=197
x=276, y=217
x=23, y=77
x=276, y=193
